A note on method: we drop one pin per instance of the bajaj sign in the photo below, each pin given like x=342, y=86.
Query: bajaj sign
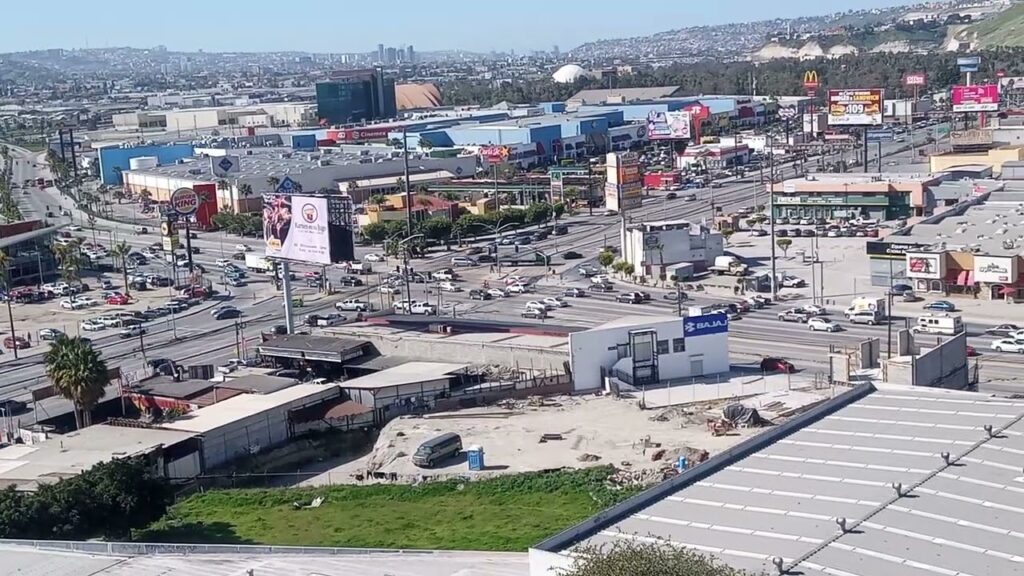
x=705, y=325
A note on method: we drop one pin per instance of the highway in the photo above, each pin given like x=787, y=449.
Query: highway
x=200, y=339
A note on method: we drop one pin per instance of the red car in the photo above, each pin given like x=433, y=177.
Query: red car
x=972, y=352
x=117, y=300
x=193, y=292
x=777, y=365
x=16, y=342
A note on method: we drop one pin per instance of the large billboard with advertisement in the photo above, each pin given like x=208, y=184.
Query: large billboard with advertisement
x=624, y=186
x=995, y=269
x=979, y=98
x=921, y=265
x=915, y=79
x=296, y=228
x=668, y=125
x=495, y=154
x=855, y=107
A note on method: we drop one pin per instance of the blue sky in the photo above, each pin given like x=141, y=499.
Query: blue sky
x=359, y=25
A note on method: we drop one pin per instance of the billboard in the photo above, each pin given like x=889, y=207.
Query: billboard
x=494, y=154
x=624, y=186
x=361, y=134
x=925, y=265
x=995, y=269
x=705, y=325
x=811, y=83
x=296, y=228
x=980, y=98
x=668, y=125
x=968, y=63
x=855, y=107
x=915, y=79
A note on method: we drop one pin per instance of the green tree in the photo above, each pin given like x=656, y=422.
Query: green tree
x=726, y=234
x=784, y=244
x=605, y=258
x=119, y=252
x=272, y=183
x=538, y=213
x=146, y=196
x=245, y=190
x=558, y=210
x=645, y=559
x=375, y=232
x=69, y=259
x=379, y=200
x=79, y=374
x=437, y=228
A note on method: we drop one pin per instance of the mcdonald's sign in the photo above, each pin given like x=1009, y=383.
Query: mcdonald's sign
x=811, y=82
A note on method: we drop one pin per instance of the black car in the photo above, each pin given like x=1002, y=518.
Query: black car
x=477, y=294
x=574, y=293
x=782, y=233
x=572, y=255
x=561, y=230
x=900, y=289
x=10, y=407
x=807, y=232
x=227, y=314
x=349, y=281
x=238, y=256
x=485, y=258
x=601, y=287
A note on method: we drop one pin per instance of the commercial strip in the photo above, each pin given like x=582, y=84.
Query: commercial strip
x=878, y=196
x=663, y=249
x=878, y=480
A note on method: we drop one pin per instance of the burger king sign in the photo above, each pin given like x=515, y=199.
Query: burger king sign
x=185, y=201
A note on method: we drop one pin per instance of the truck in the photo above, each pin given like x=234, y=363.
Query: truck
x=867, y=304
x=729, y=266
x=258, y=263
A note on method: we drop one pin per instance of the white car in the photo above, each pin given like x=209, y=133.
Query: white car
x=353, y=305
x=535, y=304
x=443, y=275
x=555, y=303
x=514, y=279
x=423, y=308
x=92, y=325
x=497, y=293
x=373, y=258
x=330, y=320
x=75, y=303
x=402, y=305
x=601, y=279
x=242, y=248
x=56, y=287
x=109, y=320
x=793, y=282
x=388, y=289
x=449, y=287
x=1016, y=335
x=520, y=288
x=822, y=325
x=1009, y=345
x=74, y=228
x=815, y=310
x=222, y=262
x=133, y=331
x=463, y=261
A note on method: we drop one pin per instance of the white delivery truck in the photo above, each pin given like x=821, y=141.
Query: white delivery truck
x=863, y=304
x=944, y=324
x=258, y=263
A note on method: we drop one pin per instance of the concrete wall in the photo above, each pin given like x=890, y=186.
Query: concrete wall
x=945, y=365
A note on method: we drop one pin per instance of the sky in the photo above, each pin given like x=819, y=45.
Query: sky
x=341, y=26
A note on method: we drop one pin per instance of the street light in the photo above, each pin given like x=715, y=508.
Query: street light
x=496, y=230
x=405, y=266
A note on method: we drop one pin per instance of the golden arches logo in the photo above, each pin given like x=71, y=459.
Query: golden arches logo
x=811, y=79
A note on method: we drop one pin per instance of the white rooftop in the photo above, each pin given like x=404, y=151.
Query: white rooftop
x=242, y=406
x=408, y=373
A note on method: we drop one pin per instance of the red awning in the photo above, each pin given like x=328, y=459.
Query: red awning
x=1007, y=290
x=961, y=278
x=970, y=277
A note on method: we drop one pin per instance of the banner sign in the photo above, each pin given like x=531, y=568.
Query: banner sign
x=855, y=107
x=705, y=325
x=980, y=98
x=668, y=125
x=295, y=228
x=915, y=79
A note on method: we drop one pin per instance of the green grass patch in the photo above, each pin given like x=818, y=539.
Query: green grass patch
x=508, y=513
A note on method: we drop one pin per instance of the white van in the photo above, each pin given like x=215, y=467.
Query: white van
x=945, y=324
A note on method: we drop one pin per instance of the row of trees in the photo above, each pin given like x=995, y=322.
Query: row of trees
x=8, y=205
x=247, y=224
x=108, y=500
x=780, y=77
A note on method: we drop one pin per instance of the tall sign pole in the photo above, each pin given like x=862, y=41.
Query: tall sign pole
x=185, y=202
x=811, y=85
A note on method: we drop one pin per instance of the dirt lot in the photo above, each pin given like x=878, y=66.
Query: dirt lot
x=594, y=430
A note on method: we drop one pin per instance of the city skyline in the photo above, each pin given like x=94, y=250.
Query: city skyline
x=192, y=26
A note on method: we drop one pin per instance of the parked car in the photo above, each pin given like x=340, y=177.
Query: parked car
x=773, y=364
x=10, y=407
x=16, y=342
x=117, y=300
x=782, y=233
x=50, y=334
x=940, y=306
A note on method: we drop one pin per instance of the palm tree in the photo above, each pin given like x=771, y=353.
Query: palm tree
x=450, y=196
x=78, y=373
x=5, y=283
x=120, y=252
x=400, y=184
x=70, y=261
x=272, y=182
x=378, y=200
x=245, y=190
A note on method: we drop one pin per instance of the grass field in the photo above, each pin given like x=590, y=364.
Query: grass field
x=509, y=513
x=1005, y=29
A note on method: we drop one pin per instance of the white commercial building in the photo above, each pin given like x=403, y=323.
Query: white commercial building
x=192, y=119
x=647, y=350
x=655, y=247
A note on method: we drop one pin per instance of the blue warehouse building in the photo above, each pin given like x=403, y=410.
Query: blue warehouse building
x=113, y=159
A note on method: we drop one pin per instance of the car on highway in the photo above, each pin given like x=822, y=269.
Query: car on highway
x=324, y=320
x=535, y=313
x=242, y=248
x=423, y=308
x=819, y=324
x=131, y=332
x=940, y=306
x=794, y=315
x=117, y=300
x=50, y=334
x=555, y=302
x=224, y=262
x=1009, y=345
x=630, y=298
x=574, y=293
x=536, y=304
x=793, y=282
x=775, y=364
x=176, y=306
x=389, y=289
x=601, y=287
x=217, y=309
x=449, y=287
x=93, y=325
x=463, y=261
x=610, y=213
x=353, y=305
x=571, y=255
x=373, y=257
x=518, y=288
x=814, y=310
x=478, y=294
x=690, y=198
x=869, y=317
x=74, y=228
x=1002, y=330
x=16, y=342
x=227, y=314
x=601, y=279
x=498, y=293
x=350, y=281
x=238, y=256
x=588, y=270
x=234, y=281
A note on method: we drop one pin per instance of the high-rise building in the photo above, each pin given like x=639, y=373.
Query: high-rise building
x=391, y=55
x=380, y=53
x=555, y=51
x=352, y=96
x=410, y=56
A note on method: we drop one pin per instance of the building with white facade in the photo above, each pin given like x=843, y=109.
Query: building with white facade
x=194, y=119
x=655, y=248
x=647, y=350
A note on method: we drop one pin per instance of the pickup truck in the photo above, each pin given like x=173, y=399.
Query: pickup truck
x=794, y=315
x=732, y=269
x=353, y=305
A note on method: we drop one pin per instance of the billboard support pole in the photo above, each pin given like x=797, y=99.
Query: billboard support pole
x=865, y=149
x=286, y=282
x=405, y=170
x=771, y=215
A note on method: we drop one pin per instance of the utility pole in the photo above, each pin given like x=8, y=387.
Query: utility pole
x=408, y=195
x=771, y=216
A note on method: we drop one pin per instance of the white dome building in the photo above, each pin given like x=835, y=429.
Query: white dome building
x=569, y=73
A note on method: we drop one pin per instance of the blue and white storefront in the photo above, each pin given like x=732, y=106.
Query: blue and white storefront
x=646, y=350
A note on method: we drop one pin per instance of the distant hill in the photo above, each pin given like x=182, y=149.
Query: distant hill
x=1004, y=29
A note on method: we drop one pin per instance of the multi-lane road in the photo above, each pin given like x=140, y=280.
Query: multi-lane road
x=195, y=337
